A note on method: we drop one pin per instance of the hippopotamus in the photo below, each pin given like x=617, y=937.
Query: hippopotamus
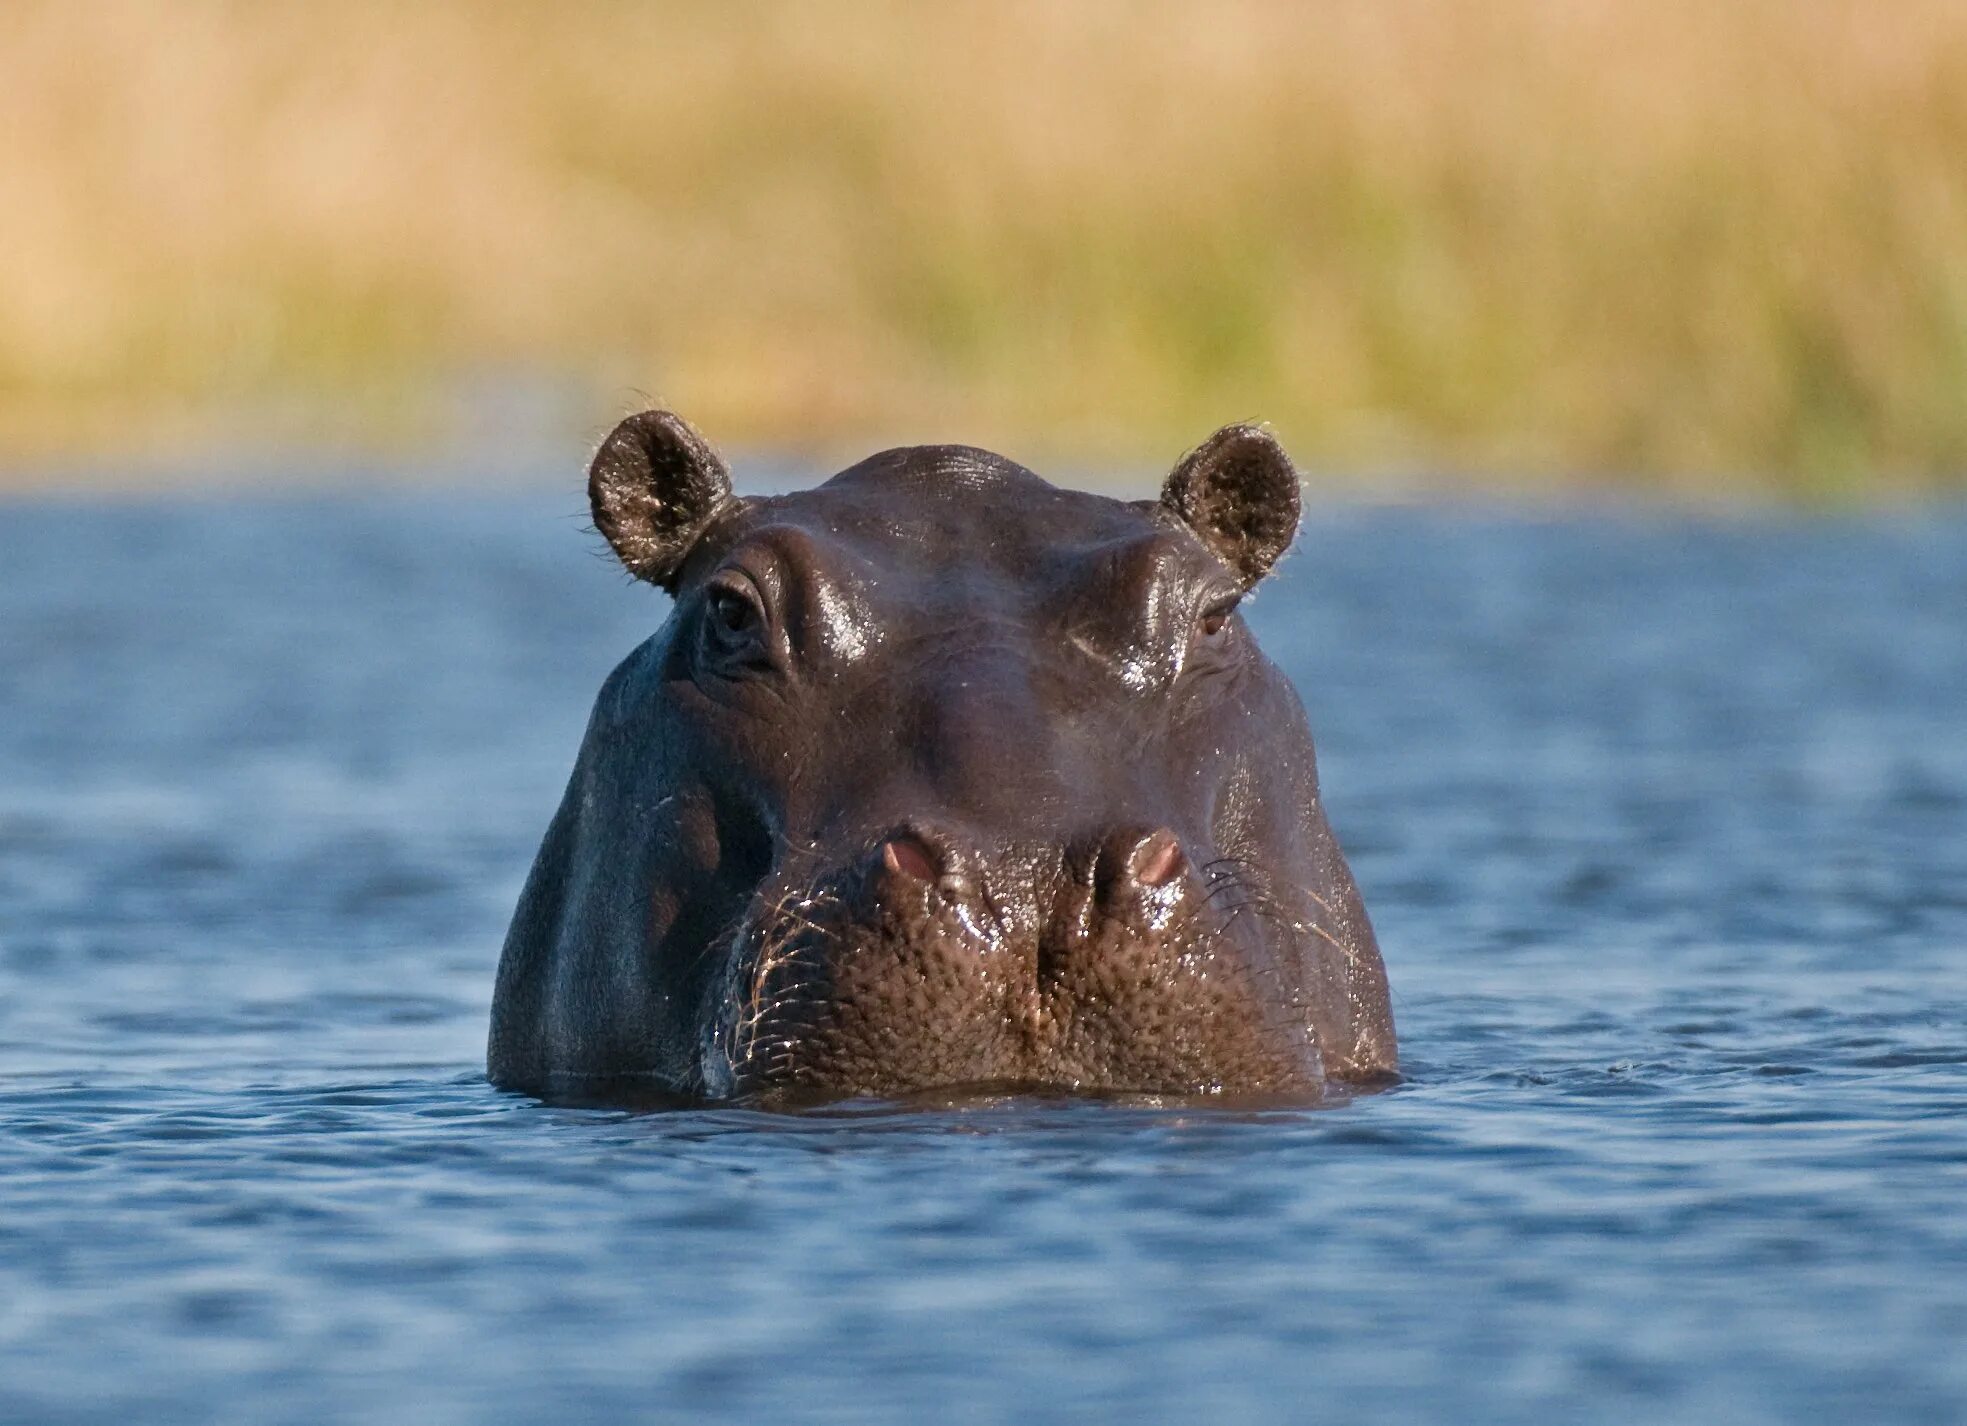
x=941, y=778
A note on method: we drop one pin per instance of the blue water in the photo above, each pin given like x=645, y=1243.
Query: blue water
x=1663, y=821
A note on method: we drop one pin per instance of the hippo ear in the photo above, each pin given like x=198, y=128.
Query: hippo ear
x=654, y=486
x=1238, y=492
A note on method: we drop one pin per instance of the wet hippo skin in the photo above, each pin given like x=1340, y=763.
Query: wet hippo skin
x=939, y=776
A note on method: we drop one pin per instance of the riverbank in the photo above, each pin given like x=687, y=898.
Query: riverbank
x=1688, y=248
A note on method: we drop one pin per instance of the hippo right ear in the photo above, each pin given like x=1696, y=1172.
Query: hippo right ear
x=655, y=486
x=1239, y=493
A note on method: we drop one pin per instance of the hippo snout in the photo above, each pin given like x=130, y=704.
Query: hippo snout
x=1111, y=962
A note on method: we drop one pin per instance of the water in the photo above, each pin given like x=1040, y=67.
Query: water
x=1664, y=824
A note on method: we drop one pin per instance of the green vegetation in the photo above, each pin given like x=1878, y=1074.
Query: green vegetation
x=1709, y=247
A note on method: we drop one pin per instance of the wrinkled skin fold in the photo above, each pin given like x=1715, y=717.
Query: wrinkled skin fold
x=940, y=776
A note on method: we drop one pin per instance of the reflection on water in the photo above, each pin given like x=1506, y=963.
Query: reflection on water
x=1664, y=825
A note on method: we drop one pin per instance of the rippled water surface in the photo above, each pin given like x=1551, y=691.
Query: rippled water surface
x=1664, y=824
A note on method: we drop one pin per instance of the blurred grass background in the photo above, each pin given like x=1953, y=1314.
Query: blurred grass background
x=1698, y=246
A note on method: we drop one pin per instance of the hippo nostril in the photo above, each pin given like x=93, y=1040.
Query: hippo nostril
x=1158, y=859
x=907, y=855
x=1141, y=874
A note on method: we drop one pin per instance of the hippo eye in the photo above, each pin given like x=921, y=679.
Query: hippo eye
x=1215, y=619
x=733, y=622
x=732, y=612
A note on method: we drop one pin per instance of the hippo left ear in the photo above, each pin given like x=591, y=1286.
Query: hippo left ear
x=655, y=486
x=1239, y=493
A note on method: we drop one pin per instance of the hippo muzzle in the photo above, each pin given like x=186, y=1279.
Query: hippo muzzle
x=941, y=777
x=1118, y=963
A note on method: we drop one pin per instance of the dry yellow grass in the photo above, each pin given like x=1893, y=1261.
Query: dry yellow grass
x=1690, y=242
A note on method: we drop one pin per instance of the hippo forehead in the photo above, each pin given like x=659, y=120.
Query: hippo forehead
x=954, y=531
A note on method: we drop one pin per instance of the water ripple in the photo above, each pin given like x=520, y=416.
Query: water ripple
x=1659, y=821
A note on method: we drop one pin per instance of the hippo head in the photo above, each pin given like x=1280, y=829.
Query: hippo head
x=941, y=776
